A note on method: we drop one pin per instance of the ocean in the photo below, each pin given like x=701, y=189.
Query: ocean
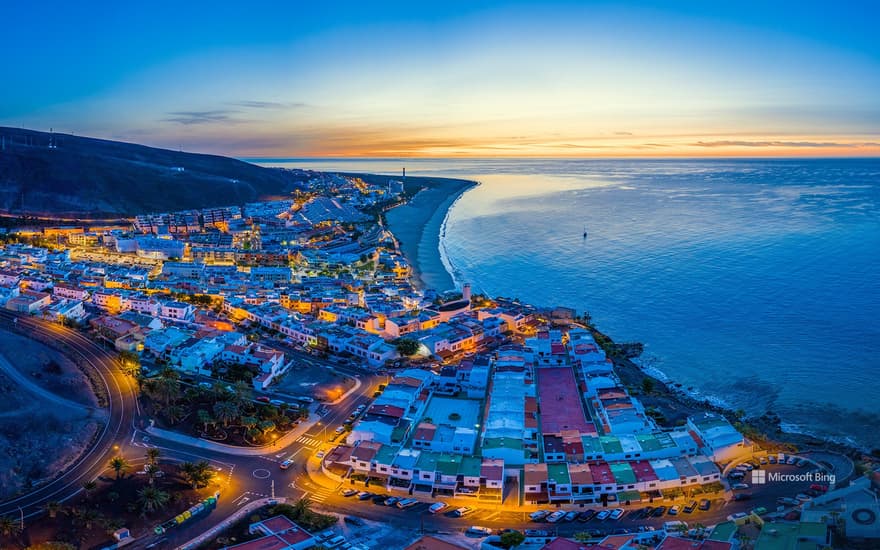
x=754, y=283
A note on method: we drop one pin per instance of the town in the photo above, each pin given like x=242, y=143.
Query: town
x=295, y=324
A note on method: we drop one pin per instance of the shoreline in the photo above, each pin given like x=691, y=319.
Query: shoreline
x=418, y=225
x=424, y=228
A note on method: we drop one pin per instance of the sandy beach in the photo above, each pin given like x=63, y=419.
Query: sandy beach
x=417, y=225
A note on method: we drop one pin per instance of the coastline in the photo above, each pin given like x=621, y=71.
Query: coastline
x=418, y=226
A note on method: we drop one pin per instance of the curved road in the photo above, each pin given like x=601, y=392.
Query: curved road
x=121, y=411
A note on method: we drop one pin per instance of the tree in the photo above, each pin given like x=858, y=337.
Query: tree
x=152, y=471
x=173, y=413
x=267, y=426
x=131, y=362
x=582, y=536
x=89, y=487
x=166, y=387
x=225, y=411
x=197, y=474
x=242, y=393
x=407, y=346
x=512, y=539
x=9, y=527
x=52, y=508
x=302, y=507
x=249, y=422
x=205, y=418
x=647, y=385
x=153, y=455
x=119, y=465
x=152, y=499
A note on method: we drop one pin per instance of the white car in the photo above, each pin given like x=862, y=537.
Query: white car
x=438, y=507
x=538, y=515
x=340, y=430
x=603, y=515
x=556, y=516
x=479, y=531
x=617, y=514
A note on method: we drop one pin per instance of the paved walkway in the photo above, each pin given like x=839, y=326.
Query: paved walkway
x=226, y=523
x=287, y=439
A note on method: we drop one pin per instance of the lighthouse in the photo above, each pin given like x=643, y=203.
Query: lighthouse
x=466, y=292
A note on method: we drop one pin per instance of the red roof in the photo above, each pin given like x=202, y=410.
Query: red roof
x=561, y=407
x=387, y=410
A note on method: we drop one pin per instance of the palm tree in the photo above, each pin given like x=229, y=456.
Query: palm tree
x=302, y=507
x=198, y=474
x=267, y=426
x=52, y=508
x=249, y=422
x=167, y=386
x=152, y=471
x=89, y=487
x=152, y=499
x=153, y=455
x=174, y=413
x=242, y=392
x=86, y=517
x=205, y=418
x=225, y=411
x=119, y=465
x=9, y=527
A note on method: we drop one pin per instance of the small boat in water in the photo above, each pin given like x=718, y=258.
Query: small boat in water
x=585, y=231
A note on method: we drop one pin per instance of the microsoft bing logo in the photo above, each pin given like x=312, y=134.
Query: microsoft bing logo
x=759, y=477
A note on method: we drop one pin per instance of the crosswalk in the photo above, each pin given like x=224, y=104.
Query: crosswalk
x=319, y=495
x=309, y=441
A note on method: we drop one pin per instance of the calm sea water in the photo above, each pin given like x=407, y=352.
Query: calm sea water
x=754, y=282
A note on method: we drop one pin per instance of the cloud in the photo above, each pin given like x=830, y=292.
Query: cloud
x=188, y=118
x=623, y=133
x=819, y=144
x=251, y=104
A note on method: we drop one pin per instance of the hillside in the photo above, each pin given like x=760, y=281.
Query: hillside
x=82, y=175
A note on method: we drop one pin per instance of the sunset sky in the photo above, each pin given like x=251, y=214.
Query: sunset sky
x=483, y=79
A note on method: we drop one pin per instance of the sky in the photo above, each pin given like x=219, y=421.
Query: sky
x=447, y=79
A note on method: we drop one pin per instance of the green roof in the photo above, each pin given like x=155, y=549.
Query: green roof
x=471, y=466
x=591, y=445
x=558, y=473
x=623, y=473
x=610, y=444
x=723, y=531
x=427, y=461
x=386, y=454
x=448, y=465
x=506, y=442
x=786, y=536
x=648, y=442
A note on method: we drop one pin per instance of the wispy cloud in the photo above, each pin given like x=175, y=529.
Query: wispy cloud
x=188, y=118
x=252, y=104
x=818, y=144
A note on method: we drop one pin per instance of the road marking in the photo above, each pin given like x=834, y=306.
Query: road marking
x=261, y=473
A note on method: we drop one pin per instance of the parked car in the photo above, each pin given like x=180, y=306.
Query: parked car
x=586, y=515
x=617, y=514
x=536, y=533
x=759, y=511
x=262, y=399
x=791, y=460
x=478, y=531
x=771, y=459
x=648, y=511
x=349, y=492
x=742, y=496
x=601, y=516
x=391, y=501
x=659, y=511
x=340, y=430
x=690, y=507
x=538, y=515
x=379, y=499
x=286, y=464
x=801, y=463
x=437, y=507
x=364, y=495
x=762, y=460
x=819, y=487
x=674, y=510
x=277, y=402
x=705, y=504
x=739, y=486
x=736, y=516
x=556, y=516
x=803, y=498
x=406, y=503
x=570, y=516
x=462, y=512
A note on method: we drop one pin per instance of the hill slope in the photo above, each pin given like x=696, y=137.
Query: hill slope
x=86, y=175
